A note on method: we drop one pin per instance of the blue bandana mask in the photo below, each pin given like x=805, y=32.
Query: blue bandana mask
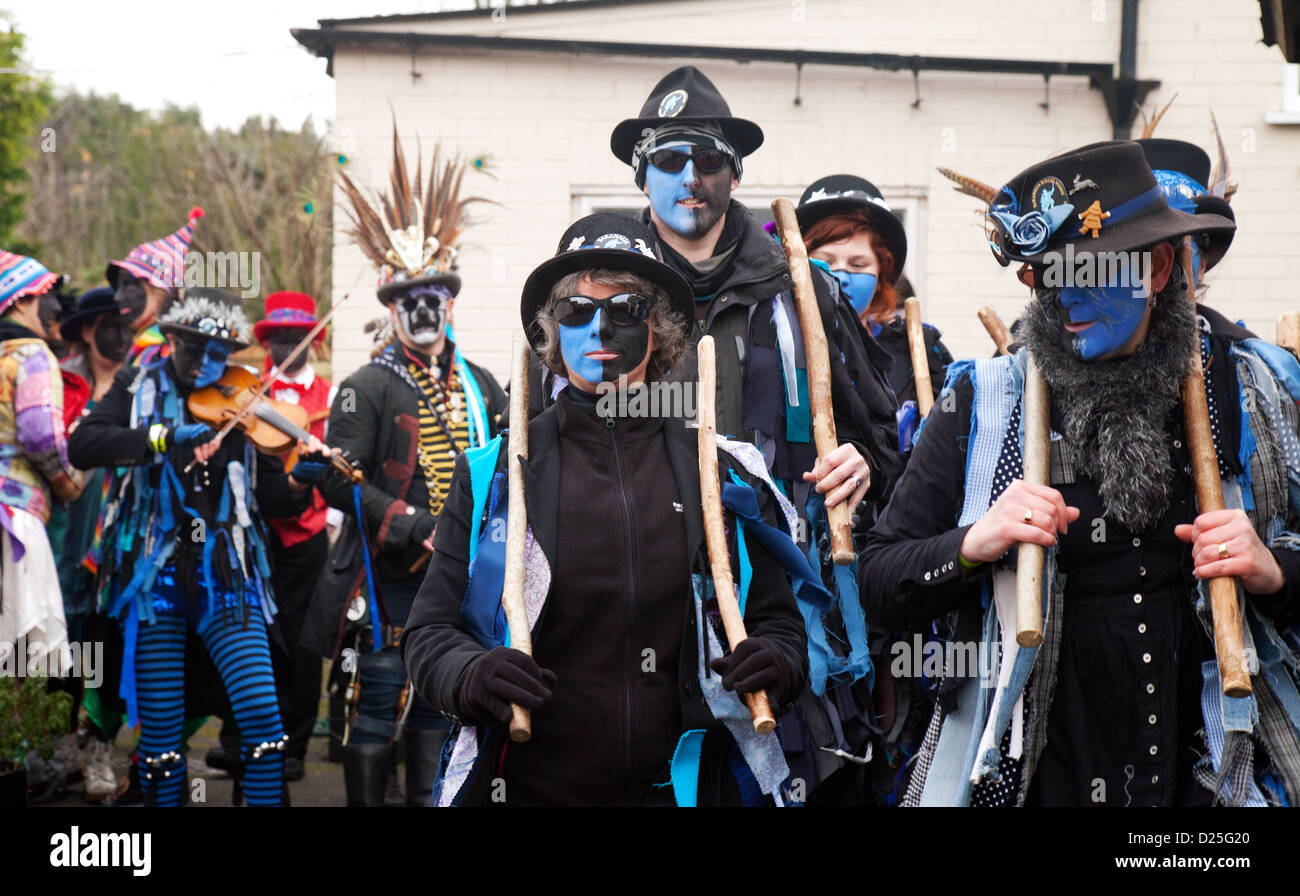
x=860, y=288
x=1115, y=312
x=213, y=364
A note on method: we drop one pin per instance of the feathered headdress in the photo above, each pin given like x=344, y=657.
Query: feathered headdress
x=412, y=234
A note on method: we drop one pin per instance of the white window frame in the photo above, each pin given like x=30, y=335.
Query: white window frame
x=908, y=201
x=1290, y=113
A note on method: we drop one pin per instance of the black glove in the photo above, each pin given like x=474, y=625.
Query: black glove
x=756, y=665
x=423, y=528
x=498, y=678
x=311, y=466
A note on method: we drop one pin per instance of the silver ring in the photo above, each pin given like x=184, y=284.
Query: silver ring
x=855, y=482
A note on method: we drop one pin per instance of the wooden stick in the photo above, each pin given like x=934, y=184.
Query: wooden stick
x=1029, y=557
x=819, y=368
x=1228, y=643
x=1288, y=331
x=997, y=330
x=512, y=591
x=714, y=535
x=920, y=363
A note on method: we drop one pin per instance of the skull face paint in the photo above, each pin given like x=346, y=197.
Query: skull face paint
x=1098, y=321
x=688, y=202
x=422, y=313
x=601, y=351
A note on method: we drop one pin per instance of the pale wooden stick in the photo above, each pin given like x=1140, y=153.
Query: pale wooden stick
x=997, y=330
x=512, y=591
x=1029, y=557
x=819, y=368
x=920, y=364
x=1228, y=644
x=1288, y=331
x=714, y=535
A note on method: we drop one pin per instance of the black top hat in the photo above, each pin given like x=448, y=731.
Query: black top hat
x=1183, y=169
x=388, y=291
x=609, y=241
x=685, y=95
x=1100, y=198
x=91, y=304
x=841, y=193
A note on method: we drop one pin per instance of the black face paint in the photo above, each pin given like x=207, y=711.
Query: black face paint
x=50, y=312
x=113, y=338
x=281, y=344
x=600, y=337
x=130, y=295
x=186, y=359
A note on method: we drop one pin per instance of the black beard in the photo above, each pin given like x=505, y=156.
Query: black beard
x=1116, y=412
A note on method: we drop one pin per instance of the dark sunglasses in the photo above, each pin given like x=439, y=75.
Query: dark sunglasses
x=707, y=161
x=625, y=310
x=432, y=302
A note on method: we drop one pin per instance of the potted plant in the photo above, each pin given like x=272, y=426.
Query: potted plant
x=31, y=719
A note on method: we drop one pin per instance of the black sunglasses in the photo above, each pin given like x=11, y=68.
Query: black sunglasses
x=431, y=301
x=707, y=161
x=625, y=310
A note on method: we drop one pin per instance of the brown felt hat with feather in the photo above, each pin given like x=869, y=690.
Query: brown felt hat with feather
x=411, y=234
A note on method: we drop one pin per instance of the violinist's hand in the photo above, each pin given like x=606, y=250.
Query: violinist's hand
x=204, y=452
x=313, y=462
x=841, y=475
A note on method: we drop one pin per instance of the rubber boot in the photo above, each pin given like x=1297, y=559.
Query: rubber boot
x=423, y=749
x=365, y=771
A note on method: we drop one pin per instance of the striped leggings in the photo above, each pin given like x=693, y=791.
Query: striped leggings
x=240, y=653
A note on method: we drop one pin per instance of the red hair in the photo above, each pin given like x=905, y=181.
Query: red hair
x=835, y=228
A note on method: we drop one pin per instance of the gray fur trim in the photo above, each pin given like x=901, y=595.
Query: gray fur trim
x=1115, y=412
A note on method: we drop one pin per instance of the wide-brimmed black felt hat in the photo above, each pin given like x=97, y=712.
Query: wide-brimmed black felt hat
x=840, y=194
x=685, y=95
x=611, y=242
x=1100, y=198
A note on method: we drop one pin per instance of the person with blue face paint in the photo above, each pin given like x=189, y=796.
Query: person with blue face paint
x=1115, y=708
x=615, y=521
x=687, y=153
x=849, y=229
x=185, y=551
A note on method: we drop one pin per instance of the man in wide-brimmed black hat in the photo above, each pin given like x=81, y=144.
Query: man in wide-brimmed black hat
x=1122, y=704
x=625, y=709
x=687, y=154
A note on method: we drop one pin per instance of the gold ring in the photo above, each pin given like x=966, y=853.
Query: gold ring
x=1223, y=550
x=1029, y=515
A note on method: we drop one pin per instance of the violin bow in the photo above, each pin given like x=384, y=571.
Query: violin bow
x=272, y=374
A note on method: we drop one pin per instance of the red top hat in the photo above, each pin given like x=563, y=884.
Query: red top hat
x=287, y=309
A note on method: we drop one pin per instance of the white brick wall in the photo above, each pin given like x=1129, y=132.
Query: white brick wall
x=545, y=121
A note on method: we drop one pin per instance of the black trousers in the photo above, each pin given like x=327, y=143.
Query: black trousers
x=297, y=670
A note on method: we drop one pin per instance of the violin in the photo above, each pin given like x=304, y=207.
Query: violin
x=274, y=427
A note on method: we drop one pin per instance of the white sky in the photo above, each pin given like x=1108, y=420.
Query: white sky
x=232, y=59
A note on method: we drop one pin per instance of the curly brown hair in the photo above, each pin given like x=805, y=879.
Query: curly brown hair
x=666, y=326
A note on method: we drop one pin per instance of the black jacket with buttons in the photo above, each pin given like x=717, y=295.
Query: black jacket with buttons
x=616, y=513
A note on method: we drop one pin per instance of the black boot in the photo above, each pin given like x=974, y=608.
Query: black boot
x=365, y=770
x=423, y=749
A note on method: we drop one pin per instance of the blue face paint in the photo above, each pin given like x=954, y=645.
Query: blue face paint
x=213, y=364
x=860, y=288
x=667, y=189
x=630, y=343
x=1115, y=311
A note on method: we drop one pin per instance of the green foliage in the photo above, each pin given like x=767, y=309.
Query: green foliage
x=23, y=103
x=117, y=176
x=30, y=718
